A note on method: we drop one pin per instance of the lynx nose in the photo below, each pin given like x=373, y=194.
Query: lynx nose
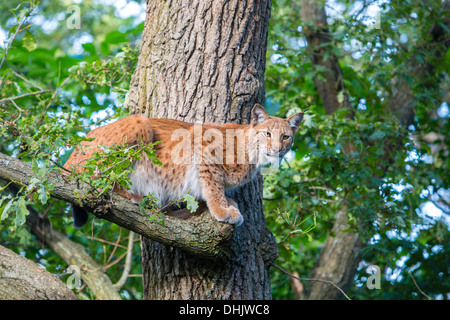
x=277, y=151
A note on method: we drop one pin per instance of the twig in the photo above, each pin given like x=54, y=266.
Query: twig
x=54, y=95
x=116, y=164
x=17, y=107
x=126, y=270
x=417, y=286
x=115, y=246
x=25, y=95
x=105, y=241
x=60, y=166
x=114, y=262
x=309, y=279
x=14, y=36
x=27, y=81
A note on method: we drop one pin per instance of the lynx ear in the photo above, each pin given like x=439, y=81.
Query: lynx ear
x=295, y=120
x=259, y=115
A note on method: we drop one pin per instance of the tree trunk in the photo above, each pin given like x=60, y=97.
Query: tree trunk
x=337, y=262
x=204, y=61
x=22, y=279
x=339, y=256
x=331, y=82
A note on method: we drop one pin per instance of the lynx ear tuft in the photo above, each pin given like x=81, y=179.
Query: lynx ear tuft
x=259, y=114
x=295, y=120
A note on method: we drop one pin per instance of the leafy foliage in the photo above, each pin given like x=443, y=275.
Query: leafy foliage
x=390, y=175
x=110, y=166
x=57, y=83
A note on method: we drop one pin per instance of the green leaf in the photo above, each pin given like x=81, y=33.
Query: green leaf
x=400, y=222
x=29, y=41
x=5, y=209
x=377, y=135
x=191, y=204
x=340, y=96
x=43, y=196
x=21, y=211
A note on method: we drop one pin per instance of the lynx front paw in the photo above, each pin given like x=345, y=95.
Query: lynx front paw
x=231, y=215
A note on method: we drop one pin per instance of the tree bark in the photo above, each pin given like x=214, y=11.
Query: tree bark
x=337, y=262
x=22, y=279
x=204, y=61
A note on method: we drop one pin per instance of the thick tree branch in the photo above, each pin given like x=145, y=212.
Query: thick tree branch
x=22, y=279
x=200, y=234
x=74, y=254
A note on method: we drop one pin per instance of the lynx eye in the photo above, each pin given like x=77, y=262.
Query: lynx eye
x=285, y=137
x=268, y=134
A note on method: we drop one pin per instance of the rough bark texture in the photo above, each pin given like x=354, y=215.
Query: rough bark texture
x=22, y=279
x=74, y=254
x=204, y=61
x=201, y=60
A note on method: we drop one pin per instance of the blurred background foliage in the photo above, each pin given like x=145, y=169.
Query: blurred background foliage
x=78, y=79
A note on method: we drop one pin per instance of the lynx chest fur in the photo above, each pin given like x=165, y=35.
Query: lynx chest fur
x=204, y=160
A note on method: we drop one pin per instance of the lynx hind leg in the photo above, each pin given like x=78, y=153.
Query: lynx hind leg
x=134, y=197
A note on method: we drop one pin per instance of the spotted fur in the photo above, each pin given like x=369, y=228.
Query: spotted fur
x=224, y=157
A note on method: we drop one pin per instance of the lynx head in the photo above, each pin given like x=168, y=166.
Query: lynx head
x=273, y=136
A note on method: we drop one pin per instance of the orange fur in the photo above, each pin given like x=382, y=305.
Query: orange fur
x=204, y=160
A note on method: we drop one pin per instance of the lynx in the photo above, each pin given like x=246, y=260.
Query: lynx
x=203, y=160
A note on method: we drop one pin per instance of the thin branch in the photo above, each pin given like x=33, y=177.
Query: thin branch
x=128, y=260
x=309, y=279
x=115, y=261
x=417, y=286
x=25, y=95
x=15, y=35
x=27, y=81
x=57, y=90
x=115, y=246
x=17, y=107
